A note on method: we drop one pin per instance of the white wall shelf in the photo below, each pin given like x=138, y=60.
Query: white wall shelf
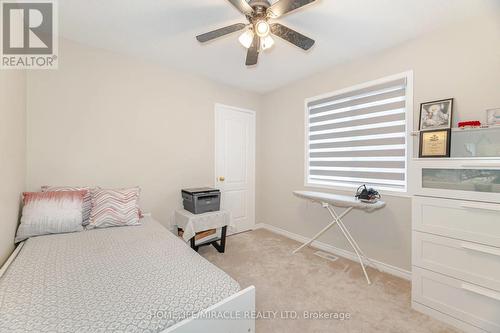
x=466, y=129
x=444, y=159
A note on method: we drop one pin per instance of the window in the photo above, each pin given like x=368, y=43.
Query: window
x=359, y=135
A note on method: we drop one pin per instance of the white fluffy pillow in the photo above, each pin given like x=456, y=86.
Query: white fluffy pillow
x=87, y=200
x=50, y=213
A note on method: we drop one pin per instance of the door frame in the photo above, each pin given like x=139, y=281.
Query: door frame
x=217, y=107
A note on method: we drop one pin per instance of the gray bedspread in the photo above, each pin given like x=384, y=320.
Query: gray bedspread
x=126, y=279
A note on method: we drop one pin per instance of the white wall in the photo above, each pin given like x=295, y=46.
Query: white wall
x=110, y=120
x=12, y=154
x=461, y=62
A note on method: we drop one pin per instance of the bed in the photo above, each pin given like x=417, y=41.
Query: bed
x=126, y=279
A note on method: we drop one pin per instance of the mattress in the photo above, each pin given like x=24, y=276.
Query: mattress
x=124, y=279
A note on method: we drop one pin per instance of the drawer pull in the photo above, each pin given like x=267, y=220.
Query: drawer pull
x=482, y=249
x=481, y=291
x=495, y=208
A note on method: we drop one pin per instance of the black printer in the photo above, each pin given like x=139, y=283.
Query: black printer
x=201, y=200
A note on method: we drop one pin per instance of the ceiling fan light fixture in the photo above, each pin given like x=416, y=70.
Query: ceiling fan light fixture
x=257, y=34
x=262, y=28
x=246, y=39
x=267, y=42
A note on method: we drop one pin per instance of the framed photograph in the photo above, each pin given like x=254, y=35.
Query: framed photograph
x=435, y=143
x=436, y=115
x=493, y=117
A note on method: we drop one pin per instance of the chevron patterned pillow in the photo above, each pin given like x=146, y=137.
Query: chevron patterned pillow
x=87, y=200
x=114, y=207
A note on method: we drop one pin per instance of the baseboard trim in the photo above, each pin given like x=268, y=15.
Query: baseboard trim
x=393, y=270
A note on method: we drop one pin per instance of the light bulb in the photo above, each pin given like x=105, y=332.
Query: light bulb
x=246, y=39
x=262, y=28
x=267, y=42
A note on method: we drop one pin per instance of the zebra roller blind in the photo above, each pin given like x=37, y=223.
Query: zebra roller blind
x=359, y=137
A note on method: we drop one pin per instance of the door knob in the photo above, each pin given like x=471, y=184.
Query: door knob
x=222, y=178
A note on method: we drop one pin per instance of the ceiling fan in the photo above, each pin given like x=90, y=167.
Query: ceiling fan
x=258, y=32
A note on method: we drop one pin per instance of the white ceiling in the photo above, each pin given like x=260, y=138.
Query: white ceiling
x=164, y=31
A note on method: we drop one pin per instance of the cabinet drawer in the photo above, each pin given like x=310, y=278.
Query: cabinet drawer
x=457, y=178
x=467, y=220
x=465, y=301
x=476, y=263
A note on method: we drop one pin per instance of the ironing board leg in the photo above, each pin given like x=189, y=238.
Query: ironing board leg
x=335, y=220
x=342, y=225
x=351, y=241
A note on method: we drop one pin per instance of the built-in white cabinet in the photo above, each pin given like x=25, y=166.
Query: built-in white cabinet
x=456, y=241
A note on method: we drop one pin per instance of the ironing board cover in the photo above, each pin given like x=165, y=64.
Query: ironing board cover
x=339, y=200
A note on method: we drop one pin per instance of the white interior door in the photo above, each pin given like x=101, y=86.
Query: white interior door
x=235, y=163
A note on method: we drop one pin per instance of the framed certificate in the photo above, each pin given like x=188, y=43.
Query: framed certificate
x=435, y=143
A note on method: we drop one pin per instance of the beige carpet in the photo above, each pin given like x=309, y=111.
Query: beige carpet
x=306, y=282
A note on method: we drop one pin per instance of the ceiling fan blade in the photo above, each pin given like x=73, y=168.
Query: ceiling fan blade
x=292, y=36
x=253, y=52
x=283, y=7
x=242, y=6
x=220, y=32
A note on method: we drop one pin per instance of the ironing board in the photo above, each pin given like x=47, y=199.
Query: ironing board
x=329, y=201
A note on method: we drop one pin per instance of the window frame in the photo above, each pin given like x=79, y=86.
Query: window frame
x=409, y=115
